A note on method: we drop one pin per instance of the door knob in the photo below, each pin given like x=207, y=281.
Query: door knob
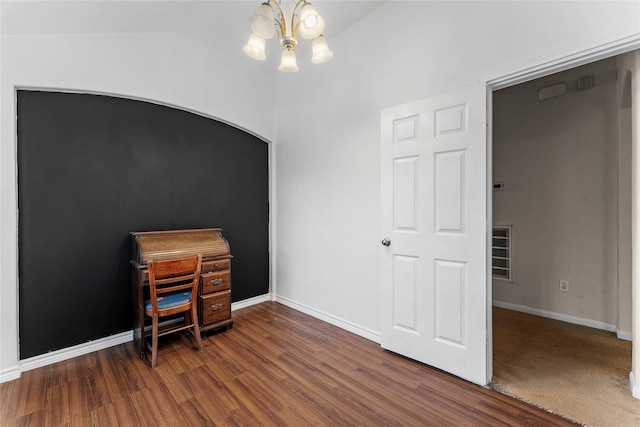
x=386, y=242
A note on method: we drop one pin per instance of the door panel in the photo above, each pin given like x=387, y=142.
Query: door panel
x=449, y=192
x=434, y=190
x=404, y=171
x=404, y=293
x=449, y=302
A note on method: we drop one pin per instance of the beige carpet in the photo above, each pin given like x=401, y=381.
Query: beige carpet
x=575, y=371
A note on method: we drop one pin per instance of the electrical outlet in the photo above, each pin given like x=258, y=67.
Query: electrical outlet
x=564, y=285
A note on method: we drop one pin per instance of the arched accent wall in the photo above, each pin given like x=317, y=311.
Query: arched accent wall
x=92, y=168
x=164, y=68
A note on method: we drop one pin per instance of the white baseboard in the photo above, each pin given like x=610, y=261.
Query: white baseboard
x=251, y=301
x=624, y=335
x=341, y=323
x=635, y=388
x=565, y=318
x=9, y=374
x=64, y=354
x=75, y=351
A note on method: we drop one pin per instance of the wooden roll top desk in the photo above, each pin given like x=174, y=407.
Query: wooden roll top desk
x=214, y=293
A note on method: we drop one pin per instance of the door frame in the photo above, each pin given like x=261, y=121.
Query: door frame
x=540, y=68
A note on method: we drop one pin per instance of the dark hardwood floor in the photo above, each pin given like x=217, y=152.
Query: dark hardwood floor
x=276, y=367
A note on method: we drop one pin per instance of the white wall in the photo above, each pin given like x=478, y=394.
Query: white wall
x=558, y=160
x=328, y=121
x=629, y=73
x=163, y=68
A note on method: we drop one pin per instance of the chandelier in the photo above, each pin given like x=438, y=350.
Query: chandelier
x=304, y=20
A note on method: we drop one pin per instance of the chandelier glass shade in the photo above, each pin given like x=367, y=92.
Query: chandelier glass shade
x=304, y=21
x=255, y=47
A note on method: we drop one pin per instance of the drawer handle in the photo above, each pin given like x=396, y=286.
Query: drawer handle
x=216, y=307
x=216, y=281
x=215, y=266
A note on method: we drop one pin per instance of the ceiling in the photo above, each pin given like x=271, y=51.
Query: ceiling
x=222, y=25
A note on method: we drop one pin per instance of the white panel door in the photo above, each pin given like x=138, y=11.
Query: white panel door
x=434, y=268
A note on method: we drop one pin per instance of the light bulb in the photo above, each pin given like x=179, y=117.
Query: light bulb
x=307, y=10
x=311, y=27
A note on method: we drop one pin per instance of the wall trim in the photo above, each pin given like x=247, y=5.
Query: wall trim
x=624, y=335
x=65, y=354
x=155, y=101
x=588, y=52
x=333, y=320
x=565, y=318
x=250, y=301
x=635, y=388
x=74, y=351
x=9, y=374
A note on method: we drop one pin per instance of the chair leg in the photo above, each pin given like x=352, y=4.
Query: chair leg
x=196, y=326
x=154, y=342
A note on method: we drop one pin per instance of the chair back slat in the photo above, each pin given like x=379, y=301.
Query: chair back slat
x=174, y=267
x=169, y=289
x=174, y=279
x=172, y=275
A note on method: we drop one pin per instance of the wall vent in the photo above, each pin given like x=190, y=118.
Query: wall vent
x=501, y=251
x=552, y=91
x=585, y=83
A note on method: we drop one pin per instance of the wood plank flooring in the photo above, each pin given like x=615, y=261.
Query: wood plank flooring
x=276, y=367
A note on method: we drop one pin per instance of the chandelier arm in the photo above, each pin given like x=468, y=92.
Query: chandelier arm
x=282, y=24
x=294, y=14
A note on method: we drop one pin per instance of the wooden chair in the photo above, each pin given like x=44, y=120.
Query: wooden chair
x=173, y=288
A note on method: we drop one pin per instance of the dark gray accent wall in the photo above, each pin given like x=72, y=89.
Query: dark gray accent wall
x=93, y=168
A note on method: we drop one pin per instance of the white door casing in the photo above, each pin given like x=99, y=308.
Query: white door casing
x=434, y=199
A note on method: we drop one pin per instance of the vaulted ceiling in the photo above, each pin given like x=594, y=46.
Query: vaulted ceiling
x=222, y=25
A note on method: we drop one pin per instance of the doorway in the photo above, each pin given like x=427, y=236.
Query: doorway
x=562, y=209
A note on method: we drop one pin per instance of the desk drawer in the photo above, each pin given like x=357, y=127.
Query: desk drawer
x=215, y=265
x=215, y=307
x=215, y=282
